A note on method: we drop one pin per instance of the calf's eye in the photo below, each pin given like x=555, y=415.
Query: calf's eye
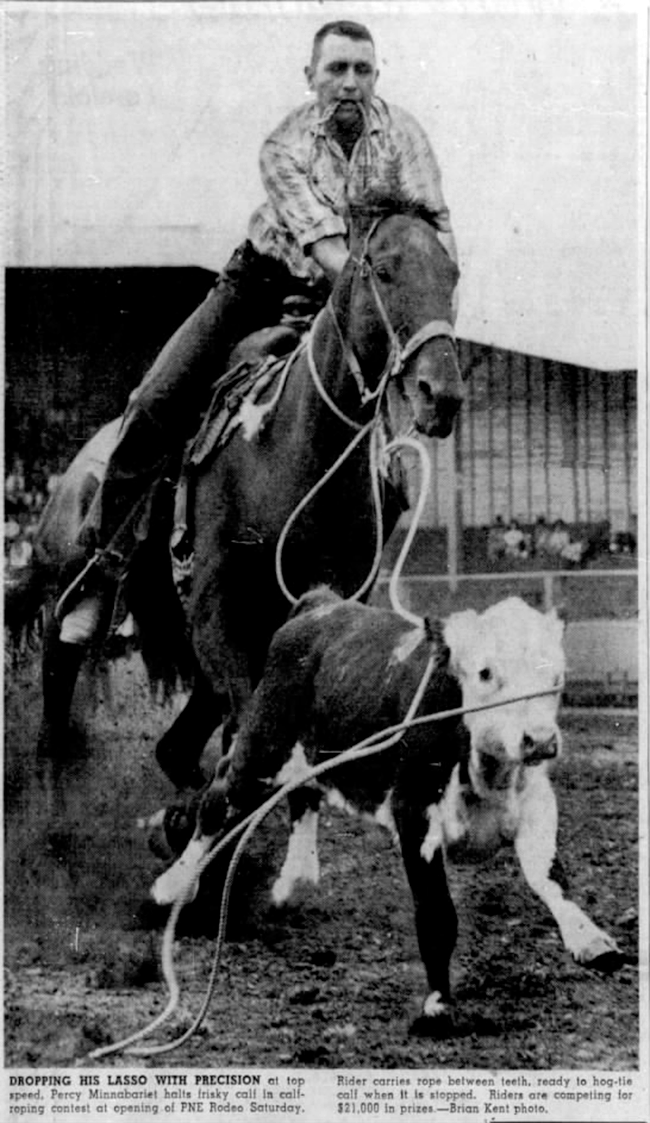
x=485, y=674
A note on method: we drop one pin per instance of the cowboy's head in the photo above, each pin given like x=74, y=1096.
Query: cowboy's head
x=343, y=71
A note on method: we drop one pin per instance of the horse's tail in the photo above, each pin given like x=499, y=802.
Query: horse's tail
x=27, y=592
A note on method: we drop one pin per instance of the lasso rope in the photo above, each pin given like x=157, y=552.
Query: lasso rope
x=373, y=744
x=367, y=430
x=370, y=746
x=180, y=901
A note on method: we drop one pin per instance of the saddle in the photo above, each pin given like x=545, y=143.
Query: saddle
x=257, y=365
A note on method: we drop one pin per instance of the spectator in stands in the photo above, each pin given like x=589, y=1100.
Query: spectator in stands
x=15, y=488
x=623, y=543
x=559, y=538
x=541, y=535
x=573, y=551
x=515, y=541
x=496, y=547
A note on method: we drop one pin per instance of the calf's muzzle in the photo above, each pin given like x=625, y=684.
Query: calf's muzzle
x=537, y=748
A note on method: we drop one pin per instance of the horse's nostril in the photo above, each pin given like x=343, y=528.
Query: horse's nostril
x=426, y=391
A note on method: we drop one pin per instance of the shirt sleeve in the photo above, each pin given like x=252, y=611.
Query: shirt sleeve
x=420, y=172
x=287, y=181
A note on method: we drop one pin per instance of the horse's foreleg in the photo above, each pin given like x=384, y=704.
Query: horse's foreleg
x=179, y=751
x=60, y=666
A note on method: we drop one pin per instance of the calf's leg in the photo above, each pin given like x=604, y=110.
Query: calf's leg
x=535, y=845
x=435, y=916
x=301, y=860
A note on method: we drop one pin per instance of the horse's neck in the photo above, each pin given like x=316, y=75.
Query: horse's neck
x=332, y=387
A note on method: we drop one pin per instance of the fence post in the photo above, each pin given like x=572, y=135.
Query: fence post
x=548, y=592
x=451, y=512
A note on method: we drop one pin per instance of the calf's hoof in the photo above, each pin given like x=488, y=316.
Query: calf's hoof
x=178, y=825
x=603, y=955
x=170, y=829
x=435, y=1019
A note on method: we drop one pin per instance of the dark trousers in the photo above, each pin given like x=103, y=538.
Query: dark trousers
x=163, y=411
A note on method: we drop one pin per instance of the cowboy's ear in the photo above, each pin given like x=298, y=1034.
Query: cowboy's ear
x=309, y=75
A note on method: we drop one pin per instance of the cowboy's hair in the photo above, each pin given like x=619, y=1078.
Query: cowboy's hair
x=346, y=27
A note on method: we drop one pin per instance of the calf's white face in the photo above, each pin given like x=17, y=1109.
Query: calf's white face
x=509, y=650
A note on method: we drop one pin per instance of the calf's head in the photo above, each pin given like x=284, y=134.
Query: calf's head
x=509, y=650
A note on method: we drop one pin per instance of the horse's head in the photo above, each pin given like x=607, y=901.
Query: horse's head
x=399, y=318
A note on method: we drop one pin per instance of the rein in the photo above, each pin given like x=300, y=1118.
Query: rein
x=398, y=355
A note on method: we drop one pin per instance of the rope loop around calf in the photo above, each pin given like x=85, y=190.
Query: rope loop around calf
x=375, y=743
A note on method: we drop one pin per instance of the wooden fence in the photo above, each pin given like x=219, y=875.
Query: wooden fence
x=538, y=438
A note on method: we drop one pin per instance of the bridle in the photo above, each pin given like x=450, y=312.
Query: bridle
x=398, y=355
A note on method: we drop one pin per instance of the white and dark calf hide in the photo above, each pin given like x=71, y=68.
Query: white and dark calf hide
x=450, y=790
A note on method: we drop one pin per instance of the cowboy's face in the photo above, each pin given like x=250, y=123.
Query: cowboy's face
x=343, y=76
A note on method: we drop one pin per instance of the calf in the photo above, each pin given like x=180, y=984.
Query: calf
x=337, y=672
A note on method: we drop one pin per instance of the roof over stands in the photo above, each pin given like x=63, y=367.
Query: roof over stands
x=134, y=132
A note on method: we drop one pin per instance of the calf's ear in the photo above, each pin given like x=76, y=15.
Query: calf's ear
x=461, y=636
x=558, y=619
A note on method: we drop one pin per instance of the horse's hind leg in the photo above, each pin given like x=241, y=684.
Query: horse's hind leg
x=178, y=752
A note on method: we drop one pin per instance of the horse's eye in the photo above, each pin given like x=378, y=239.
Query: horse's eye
x=485, y=674
x=382, y=273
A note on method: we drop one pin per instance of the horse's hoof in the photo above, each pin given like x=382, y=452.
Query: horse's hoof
x=440, y=1026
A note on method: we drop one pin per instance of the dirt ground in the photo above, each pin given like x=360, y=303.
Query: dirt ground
x=335, y=979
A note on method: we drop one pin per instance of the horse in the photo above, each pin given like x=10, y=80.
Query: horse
x=381, y=354
x=57, y=553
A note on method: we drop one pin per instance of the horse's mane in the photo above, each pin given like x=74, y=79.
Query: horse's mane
x=394, y=200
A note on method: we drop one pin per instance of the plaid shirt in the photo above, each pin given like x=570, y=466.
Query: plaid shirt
x=309, y=181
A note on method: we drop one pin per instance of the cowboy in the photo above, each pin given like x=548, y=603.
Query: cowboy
x=322, y=158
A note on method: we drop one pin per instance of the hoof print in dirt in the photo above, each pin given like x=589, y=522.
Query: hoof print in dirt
x=310, y=1056
x=131, y=967
x=303, y=996
x=324, y=957
x=438, y=1027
